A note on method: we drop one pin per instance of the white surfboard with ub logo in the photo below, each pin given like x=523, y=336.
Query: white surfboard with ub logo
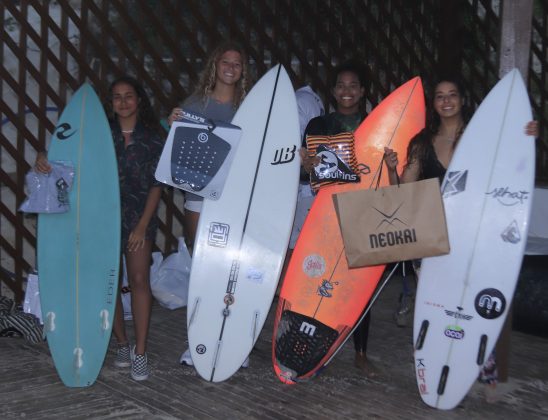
x=242, y=237
x=463, y=298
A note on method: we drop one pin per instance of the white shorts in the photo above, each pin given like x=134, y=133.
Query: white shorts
x=192, y=205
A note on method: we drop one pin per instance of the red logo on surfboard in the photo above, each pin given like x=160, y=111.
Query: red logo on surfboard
x=314, y=265
x=421, y=376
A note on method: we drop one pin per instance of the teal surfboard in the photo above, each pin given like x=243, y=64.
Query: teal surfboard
x=79, y=251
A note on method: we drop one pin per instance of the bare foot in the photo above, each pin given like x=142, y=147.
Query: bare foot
x=498, y=391
x=367, y=368
x=491, y=393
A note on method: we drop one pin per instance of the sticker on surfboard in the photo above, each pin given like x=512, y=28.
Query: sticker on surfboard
x=196, y=157
x=198, y=154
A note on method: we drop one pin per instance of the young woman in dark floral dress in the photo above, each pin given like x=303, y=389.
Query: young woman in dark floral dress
x=138, y=143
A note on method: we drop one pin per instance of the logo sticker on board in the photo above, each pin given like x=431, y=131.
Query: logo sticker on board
x=454, y=331
x=363, y=169
x=511, y=233
x=201, y=349
x=284, y=155
x=326, y=289
x=218, y=234
x=458, y=314
x=203, y=137
x=64, y=131
x=421, y=376
x=254, y=275
x=307, y=329
x=490, y=303
x=332, y=167
x=314, y=265
x=508, y=198
x=454, y=183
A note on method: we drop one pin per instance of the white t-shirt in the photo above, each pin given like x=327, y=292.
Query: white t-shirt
x=309, y=104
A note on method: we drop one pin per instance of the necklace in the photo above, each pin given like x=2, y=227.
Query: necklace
x=127, y=131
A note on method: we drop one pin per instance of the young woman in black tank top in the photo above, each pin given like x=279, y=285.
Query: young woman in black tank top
x=430, y=151
x=428, y=156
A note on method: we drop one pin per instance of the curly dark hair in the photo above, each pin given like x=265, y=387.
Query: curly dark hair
x=352, y=66
x=146, y=114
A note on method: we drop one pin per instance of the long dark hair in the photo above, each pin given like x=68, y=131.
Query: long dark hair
x=422, y=143
x=146, y=114
x=432, y=117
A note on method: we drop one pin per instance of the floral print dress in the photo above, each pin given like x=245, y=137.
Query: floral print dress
x=136, y=167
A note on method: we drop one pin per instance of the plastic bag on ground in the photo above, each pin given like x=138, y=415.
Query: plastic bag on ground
x=31, y=304
x=170, y=286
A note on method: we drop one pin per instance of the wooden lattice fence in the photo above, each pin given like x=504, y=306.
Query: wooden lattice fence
x=480, y=68
x=49, y=48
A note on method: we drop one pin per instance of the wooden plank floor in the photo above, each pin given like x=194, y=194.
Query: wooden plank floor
x=30, y=388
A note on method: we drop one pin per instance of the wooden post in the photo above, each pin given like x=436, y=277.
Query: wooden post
x=515, y=36
x=514, y=47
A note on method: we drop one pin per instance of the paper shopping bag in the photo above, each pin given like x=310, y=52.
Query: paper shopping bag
x=394, y=223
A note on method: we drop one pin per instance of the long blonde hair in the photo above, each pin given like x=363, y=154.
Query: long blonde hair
x=208, y=76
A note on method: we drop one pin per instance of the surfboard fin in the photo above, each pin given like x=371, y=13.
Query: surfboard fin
x=78, y=358
x=214, y=359
x=194, y=311
x=49, y=325
x=443, y=379
x=481, y=350
x=105, y=324
x=254, y=326
x=422, y=334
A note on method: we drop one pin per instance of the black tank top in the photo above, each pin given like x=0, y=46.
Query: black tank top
x=431, y=167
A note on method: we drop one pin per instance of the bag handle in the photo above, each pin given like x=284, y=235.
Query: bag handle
x=380, y=173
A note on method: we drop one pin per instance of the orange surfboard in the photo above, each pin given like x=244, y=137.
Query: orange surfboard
x=321, y=298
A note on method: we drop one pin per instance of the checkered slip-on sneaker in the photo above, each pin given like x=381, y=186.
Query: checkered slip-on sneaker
x=123, y=356
x=139, y=366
